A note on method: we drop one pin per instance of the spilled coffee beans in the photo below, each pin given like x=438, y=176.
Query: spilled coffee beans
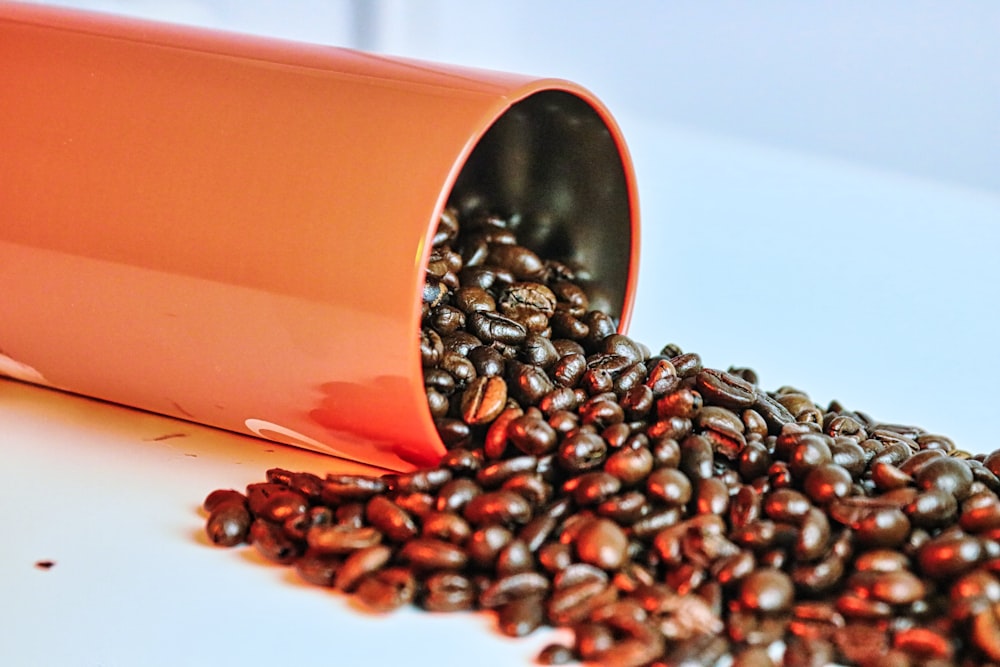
x=665, y=512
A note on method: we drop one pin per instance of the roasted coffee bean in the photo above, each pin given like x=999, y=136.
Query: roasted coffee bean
x=531, y=485
x=684, y=403
x=725, y=389
x=498, y=507
x=601, y=543
x=697, y=457
x=670, y=486
x=582, y=451
x=766, y=591
x=427, y=554
x=687, y=364
x=492, y=475
x=514, y=587
x=520, y=617
x=427, y=480
x=387, y=589
x=456, y=494
x=932, y=508
x=229, y=522
x=527, y=383
x=445, y=526
x=591, y=488
x=339, y=539
x=949, y=554
x=485, y=543
x=483, y=400
x=827, y=482
x=630, y=466
x=272, y=543
x=947, y=474
x=221, y=497
x=390, y=519
x=359, y=564
x=341, y=488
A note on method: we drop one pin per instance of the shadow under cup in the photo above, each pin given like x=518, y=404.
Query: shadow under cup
x=234, y=230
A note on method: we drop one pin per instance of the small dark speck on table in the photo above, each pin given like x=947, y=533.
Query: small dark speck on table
x=168, y=436
x=45, y=564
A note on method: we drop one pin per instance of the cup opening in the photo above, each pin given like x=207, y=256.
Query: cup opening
x=554, y=169
x=552, y=165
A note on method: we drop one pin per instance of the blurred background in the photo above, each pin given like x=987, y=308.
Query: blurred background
x=819, y=182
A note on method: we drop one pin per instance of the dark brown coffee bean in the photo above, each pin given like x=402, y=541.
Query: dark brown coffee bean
x=229, y=522
x=821, y=576
x=985, y=632
x=630, y=466
x=222, y=496
x=766, y=591
x=897, y=588
x=427, y=554
x=342, y=488
x=745, y=507
x=485, y=543
x=492, y=475
x=947, y=474
x=601, y=543
x=826, y=482
x=498, y=507
x=980, y=512
x=582, y=451
x=358, y=564
x=809, y=452
x=775, y=415
x=555, y=654
x=786, y=505
x=483, y=400
x=521, y=617
x=949, y=555
x=446, y=526
x=456, y=494
x=272, y=543
x=725, y=389
x=932, y=508
x=527, y=383
x=387, y=589
x=427, y=480
x=514, y=587
x=522, y=263
x=390, y=519
x=711, y=496
x=684, y=403
x=923, y=643
x=670, y=486
x=339, y=539
x=697, y=457
x=687, y=364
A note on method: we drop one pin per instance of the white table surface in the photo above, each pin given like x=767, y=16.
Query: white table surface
x=878, y=289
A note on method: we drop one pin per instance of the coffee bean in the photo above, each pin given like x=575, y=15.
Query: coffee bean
x=766, y=591
x=359, y=564
x=602, y=543
x=387, y=589
x=229, y=522
x=582, y=451
x=390, y=519
x=949, y=554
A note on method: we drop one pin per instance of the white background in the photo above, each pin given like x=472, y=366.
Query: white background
x=820, y=193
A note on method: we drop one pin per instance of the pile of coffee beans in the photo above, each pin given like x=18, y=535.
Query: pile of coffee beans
x=665, y=512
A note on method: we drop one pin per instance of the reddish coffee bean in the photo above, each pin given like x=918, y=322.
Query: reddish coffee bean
x=229, y=522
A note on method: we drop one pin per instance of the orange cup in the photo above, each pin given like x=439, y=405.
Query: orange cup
x=234, y=230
